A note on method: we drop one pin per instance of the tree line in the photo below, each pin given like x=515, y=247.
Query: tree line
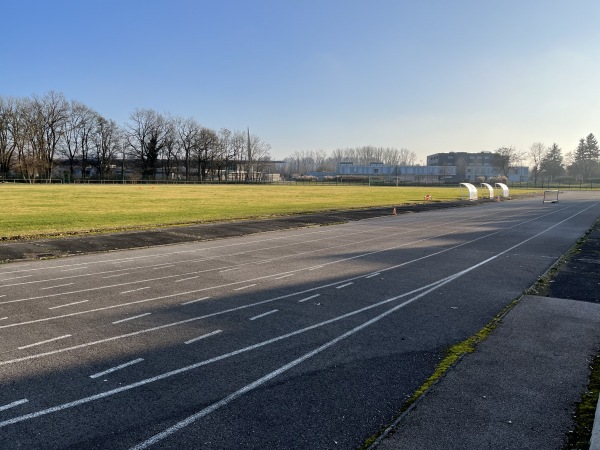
x=40, y=136
x=303, y=162
x=581, y=164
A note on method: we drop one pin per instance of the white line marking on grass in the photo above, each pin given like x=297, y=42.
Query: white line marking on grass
x=45, y=342
x=194, y=301
x=68, y=304
x=13, y=404
x=135, y=290
x=131, y=318
x=264, y=314
x=244, y=287
x=309, y=298
x=342, y=286
x=203, y=336
x=119, y=367
x=54, y=287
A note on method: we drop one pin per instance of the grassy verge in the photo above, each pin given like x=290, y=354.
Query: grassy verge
x=46, y=210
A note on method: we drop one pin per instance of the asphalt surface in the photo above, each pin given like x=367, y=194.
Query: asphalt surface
x=515, y=391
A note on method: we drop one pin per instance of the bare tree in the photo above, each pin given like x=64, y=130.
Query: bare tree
x=145, y=137
x=188, y=132
x=505, y=158
x=107, y=144
x=51, y=112
x=206, y=147
x=76, y=144
x=536, y=154
x=7, y=141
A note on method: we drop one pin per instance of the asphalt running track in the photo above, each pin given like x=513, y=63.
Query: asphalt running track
x=307, y=338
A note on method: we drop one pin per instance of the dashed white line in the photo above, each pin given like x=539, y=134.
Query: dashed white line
x=309, y=298
x=58, y=286
x=373, y=275
x=13, y=404
x=68, y=304
x=45, y=342
x=315, y=267
x=114, y=276
x=342, y=286
x=185, y=279
x=204, y=336
x=135, y=290
x=114, y=369
x=194, y=301
x=3, y=318
x=245, y=287
x=76, y=268
x=131, y=318
x=264, y=314
x=285, y=276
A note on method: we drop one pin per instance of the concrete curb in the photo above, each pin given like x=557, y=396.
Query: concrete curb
x=595, y=441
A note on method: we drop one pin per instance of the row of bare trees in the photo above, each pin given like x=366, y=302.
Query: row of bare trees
x=303, y=162
x=39, y=134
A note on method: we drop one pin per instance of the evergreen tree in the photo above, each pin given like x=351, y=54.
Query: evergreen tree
x=552, y=162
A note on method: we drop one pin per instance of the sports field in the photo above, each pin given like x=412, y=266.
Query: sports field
x=42, y=210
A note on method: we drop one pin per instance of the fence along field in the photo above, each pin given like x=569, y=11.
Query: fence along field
x=47, y=210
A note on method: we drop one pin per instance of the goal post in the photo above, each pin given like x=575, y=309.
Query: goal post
x=551, y=196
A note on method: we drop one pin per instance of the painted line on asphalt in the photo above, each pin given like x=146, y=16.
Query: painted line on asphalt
x=342, y=286
x=13, y=404
x=3, y=318
x=204, y=336
x=68, y=304
x=432, y=286
x=194, y=301
x=74, y=268
x=116, y=275
x=186, y=279
x=373, y=275
x=285, y=276
x=44, y=342
x=131, y=318
x=302, y=300
x=244, y=287
x=135, y=290
x=264, y=314
x=114, y=369
x=58, y=286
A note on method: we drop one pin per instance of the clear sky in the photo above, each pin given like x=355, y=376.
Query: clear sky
x=427, y=75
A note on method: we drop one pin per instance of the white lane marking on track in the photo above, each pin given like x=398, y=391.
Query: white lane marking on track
x=244, y=287
x=75, y=268
x=231, y=309
x=194, y=301
x=114, y=369
x=116, y=275
x=373, y=275
x=186, y=279
x=68, y=304
x=44, y=342
x=302, y=300
x=13, y=404
x=58, y=286
x=3, y=318
x=264, y=314
x=285, y=276
x=135, y=290
x=204, y=336
x=132, y=318
x=432, y=286
x=269, y=260
x=315, y=267
x=342, y=286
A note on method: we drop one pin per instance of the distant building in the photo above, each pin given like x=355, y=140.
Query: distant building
x=421, y=174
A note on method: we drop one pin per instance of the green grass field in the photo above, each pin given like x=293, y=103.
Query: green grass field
x=46, y=210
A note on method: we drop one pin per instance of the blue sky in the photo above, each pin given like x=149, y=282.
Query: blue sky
x=430, y=75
